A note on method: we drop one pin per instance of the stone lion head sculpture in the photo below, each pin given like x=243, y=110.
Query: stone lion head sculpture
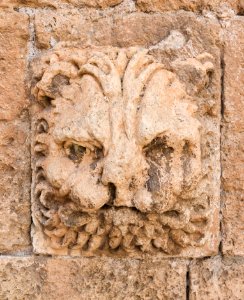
x=122, y=131
x=115, y=129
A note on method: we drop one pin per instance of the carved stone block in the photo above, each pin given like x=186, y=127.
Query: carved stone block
x=125, y=159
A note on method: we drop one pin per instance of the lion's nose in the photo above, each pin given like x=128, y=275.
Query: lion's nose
x=124, y=168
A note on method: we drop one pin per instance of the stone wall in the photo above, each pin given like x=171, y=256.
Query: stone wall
x=121, y=149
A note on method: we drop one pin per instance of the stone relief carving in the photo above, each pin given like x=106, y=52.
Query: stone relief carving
x=117, y=155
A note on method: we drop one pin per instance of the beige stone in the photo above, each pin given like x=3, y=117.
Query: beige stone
x=125, y=30
x=91, y=278
x=20, y=278
x=94, y=3
x=194, y=5
x=232, y=140
x=68, y=25
x=215, y=278
x=14, y=185
x=13, y=52
x=14, y=135
x=219, y=6
x=59, y=3
x=102, y=147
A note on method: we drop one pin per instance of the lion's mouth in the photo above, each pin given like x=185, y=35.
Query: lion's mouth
x=115, y=229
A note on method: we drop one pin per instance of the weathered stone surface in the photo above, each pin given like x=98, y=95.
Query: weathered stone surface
x=59, y=3
x=20, y=278
x=94, y=3
x=194, y=5
x=82, y=279
x=233, y=140
x=66, y=25
x=14, y=185
x=126, y=30
x=130, y=151
x=13, y=52
x=14, y=128
x=218, y=6
x=215, y=278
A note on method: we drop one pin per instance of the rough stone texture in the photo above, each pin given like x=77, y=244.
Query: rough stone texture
x=14, y=185
x=118, y=30
x=13, y=52
x=94, y=278
x=194, y=5
x=14, y=127
x=233, y=140
x=58, y=3
x=105, y=68
x=215, y=278
x=219, y=7
x=68, y=25
x=188, y=166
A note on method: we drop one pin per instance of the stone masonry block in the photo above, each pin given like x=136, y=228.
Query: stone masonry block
x=233, y=140
x=33, y=278
x=215, y=279
x=219, y=6
x=14, y=134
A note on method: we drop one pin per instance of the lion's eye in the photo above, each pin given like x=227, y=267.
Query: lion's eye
x=76, y=152
x=159, y=149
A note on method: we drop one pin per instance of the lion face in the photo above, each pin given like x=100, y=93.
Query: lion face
x=122, y=132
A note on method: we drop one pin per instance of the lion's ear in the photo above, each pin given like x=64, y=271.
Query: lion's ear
x=195, y=72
